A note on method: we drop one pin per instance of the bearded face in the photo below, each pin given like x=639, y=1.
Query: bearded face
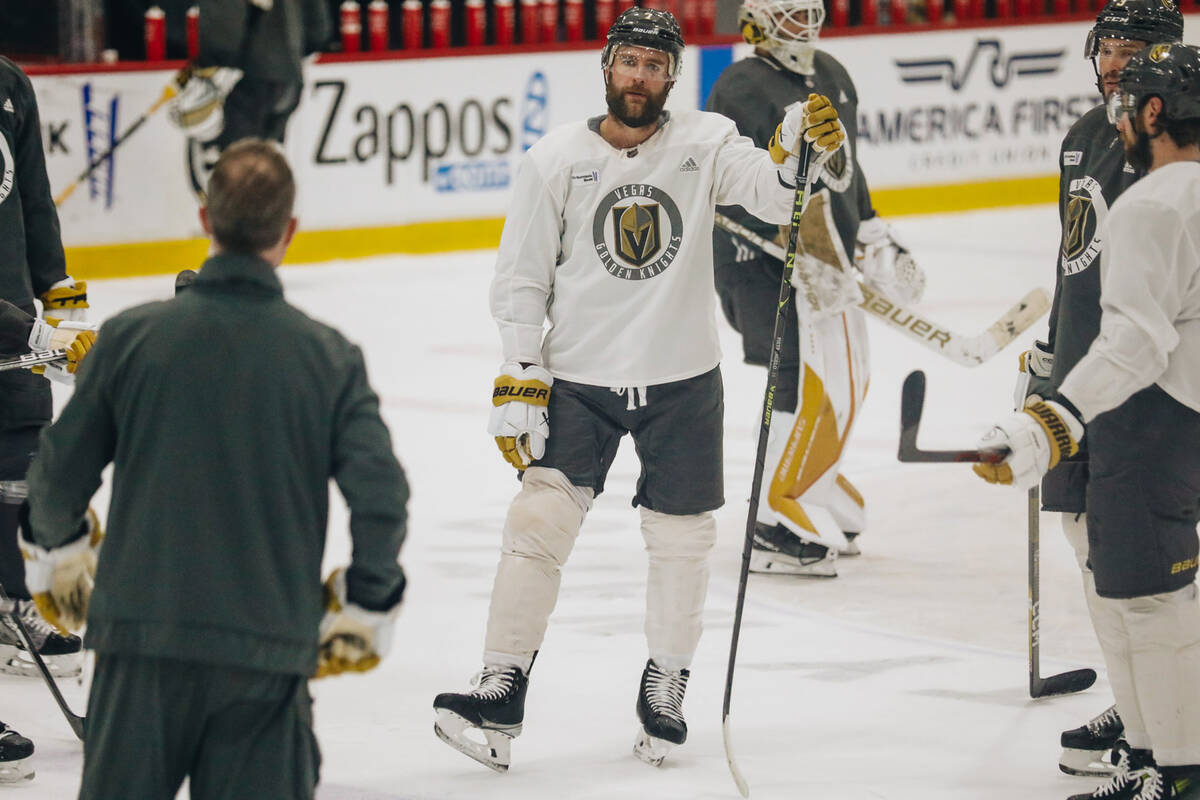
x=636, y=85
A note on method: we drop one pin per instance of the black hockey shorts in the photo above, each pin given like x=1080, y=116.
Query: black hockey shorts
x=25, y=408
x=678, y=435
x=749, y=294
x=1143, y=496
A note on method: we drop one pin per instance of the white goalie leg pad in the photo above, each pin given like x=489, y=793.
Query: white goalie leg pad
x=539, y=534
x=676, y=583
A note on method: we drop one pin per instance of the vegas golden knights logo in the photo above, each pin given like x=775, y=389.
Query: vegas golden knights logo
x=1076, y=226
x=636, y=232
x=1159, y=52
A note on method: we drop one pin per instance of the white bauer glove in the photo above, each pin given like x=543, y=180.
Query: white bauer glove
x=61, y=580
x=816, y=120
x=1033, y=381
x=886, y=264
x=520, y=418
x=351, y=638
x=66, y=300
x=1037, y=438
x=76, y=338
x=198, y=107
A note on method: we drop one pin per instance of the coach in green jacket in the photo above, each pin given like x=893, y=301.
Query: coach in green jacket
x=225, y=412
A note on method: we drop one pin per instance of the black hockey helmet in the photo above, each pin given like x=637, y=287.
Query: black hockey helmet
x=1149, y=21
x=646, y=27
x=1170, y=72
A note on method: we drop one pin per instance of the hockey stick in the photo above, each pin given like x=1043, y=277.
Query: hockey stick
x=969, y=351
x=760, y=457
x=169, y=91
x=34, y=359
x=1069, y=682
x=912, y=402
x=73, y=719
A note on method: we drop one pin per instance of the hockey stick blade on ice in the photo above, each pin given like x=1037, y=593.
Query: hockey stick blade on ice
x=912, y=401
x=73, y=719
x=1075, y=680
x=968, y=351
x=760, y=454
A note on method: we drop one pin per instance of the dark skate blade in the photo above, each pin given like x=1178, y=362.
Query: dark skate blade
x=1063, y=683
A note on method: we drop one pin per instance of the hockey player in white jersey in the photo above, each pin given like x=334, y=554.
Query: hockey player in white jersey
x=1137, y=389
x=809, y=511
x=608, y=240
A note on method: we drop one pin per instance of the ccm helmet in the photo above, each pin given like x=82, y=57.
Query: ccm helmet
x=1149, y=21
x=646, y=27
x=1170, y=72
x=787, y=29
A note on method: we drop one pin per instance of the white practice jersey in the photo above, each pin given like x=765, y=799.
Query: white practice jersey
x=613, y=248
x=1149, y=296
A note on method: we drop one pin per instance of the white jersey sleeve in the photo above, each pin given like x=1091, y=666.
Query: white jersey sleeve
x=744, y=178
x=1150, y=297
x=528, y=254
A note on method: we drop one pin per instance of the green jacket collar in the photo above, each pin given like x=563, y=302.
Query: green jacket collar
x=224, y=269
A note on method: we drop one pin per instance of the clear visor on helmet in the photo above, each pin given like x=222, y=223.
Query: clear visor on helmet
x=1120, y=104
x=642, y=63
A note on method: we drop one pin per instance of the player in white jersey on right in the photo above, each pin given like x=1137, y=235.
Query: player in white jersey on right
x=608, y=239
x=1138, y=390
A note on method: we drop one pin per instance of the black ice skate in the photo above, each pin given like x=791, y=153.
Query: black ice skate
x=1130, y=768
x=778, y=550
x=62, y=652
x=1085, y=747
x=16, y=756
x=495, y=708
x=851, y=548
x=660, y=710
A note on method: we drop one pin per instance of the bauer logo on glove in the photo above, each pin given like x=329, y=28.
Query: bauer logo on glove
x=520, y=418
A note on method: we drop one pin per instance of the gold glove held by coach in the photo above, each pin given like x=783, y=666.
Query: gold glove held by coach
x=352, y=638
x=520, y=418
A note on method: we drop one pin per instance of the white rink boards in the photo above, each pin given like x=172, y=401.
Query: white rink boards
x=904, y=678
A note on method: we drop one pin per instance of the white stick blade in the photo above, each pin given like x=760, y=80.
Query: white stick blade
x=726, y=734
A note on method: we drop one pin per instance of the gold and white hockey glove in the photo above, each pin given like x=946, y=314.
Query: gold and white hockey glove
x=66, y=300
x=885, y=263
x=351, y=638
x=76, y=338
x=816, y=120
x=1037, y=438
x=1033, y=381
x=520, y=418
x=198, y=107
x=61, y=579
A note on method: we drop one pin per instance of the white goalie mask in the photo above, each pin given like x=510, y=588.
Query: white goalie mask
x=787, y=29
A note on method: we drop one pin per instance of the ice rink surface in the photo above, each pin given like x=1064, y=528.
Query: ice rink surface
x=904, y=678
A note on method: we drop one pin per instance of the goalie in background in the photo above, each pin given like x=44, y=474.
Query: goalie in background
x=809, y=512
x=1094, y=173
x=225, y=412
x=248, y=76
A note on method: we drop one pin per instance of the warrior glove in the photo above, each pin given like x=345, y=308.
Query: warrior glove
x=76, y=338
x=66, y=300
x=886, y=264
x=817, y=121
x=1036, y=438
x=351, y=638
x=520, y=418
x=61, y=579
x=1033, y=381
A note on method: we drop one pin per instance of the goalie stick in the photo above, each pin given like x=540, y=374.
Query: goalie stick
x=73, y=719
x=968, y=351
x=912, y=400
x=1069, y=682
x=760, y=456
x=34, y=360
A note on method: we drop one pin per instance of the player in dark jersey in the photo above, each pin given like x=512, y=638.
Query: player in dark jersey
x=1094, y=173
x=809, y=511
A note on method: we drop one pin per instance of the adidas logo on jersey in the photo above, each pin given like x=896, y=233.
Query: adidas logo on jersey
x=8, y=106
x=689, y=166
